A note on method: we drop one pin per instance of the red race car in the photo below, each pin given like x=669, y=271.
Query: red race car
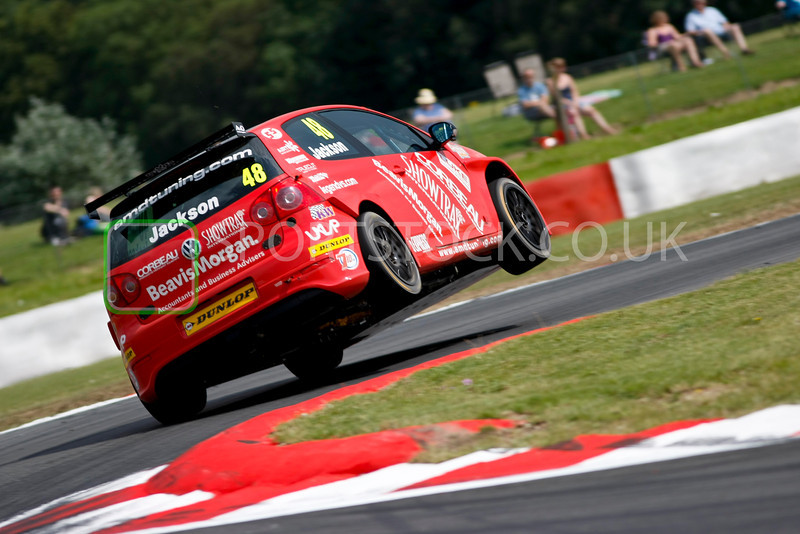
x=288, y=242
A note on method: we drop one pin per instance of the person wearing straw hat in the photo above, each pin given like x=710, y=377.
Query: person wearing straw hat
x=428, y=110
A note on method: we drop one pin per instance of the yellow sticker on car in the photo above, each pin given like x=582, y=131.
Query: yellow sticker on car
x=219, y=309
x=330, y=245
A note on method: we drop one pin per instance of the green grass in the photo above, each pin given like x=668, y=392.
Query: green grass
x=40, y=274
x=62, y=391
x=719, y=352
x=533, y=163
x=634, y=237
x=650, y=108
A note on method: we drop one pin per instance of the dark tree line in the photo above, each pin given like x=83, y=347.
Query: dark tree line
x=169, y=72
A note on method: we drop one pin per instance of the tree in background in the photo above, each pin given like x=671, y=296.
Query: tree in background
x=51, y=147
x=172, y=72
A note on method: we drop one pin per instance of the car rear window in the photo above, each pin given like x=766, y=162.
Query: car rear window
x=192, y=192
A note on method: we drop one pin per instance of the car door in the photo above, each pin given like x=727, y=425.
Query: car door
x=430, y=183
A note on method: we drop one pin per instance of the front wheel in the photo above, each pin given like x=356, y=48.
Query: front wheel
x=526, y=240
x=388, y=258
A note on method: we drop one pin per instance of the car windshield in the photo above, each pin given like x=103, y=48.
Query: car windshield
x=186, y=196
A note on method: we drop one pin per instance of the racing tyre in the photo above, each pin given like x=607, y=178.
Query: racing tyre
x=178, y=400
x=387, y=255
x=315, y=364
x=526, y=241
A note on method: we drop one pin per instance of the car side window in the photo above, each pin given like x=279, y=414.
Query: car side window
x=322, y=140
x=380, y=135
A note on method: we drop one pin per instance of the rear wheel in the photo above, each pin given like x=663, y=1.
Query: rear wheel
x=315, y=364
x=180, y=398
x=526, y=241
x=388, y=258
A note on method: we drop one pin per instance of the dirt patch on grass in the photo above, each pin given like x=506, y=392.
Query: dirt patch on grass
x=739, y=96
x=704, y=395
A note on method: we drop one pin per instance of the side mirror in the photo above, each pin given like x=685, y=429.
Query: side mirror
x=442, y=132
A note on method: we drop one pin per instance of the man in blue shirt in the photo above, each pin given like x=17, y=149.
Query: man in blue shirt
x=789, y=8
x=708, y=24
x=429, y=111
x=534, y=98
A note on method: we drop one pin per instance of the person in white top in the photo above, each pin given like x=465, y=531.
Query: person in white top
x=705, y=22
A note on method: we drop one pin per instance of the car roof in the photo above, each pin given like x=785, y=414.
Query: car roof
x=280, y=119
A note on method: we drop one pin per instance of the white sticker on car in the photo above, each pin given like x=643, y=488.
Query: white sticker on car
x=459, y=174
x=271, y=133
x=288, y=147
x=419, y=243
x=339, y=184
x=297, y=159
x=348, y=259
x=320, y=230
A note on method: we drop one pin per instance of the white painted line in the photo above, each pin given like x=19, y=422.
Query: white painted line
x=115, y=485
x=116, y=514
x=66, y=414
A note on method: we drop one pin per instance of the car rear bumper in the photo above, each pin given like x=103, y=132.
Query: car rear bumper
x=250, y=335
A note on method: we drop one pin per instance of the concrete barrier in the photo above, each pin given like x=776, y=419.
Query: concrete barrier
x=64, y=335
x=728, y=159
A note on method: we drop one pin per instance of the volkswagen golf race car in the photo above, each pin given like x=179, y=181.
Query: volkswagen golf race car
x=289, y=241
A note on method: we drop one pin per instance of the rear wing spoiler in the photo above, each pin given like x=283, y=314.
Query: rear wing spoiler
x=235, y=129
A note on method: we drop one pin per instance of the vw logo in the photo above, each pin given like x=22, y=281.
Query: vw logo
x=191, y=249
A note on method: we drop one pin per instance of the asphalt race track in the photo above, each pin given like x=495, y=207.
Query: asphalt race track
x=752, y=490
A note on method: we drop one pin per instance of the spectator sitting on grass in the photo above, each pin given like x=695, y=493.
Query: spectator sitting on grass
x=789, y=8
x=534, y=98
x=3, y=281
x=571, y=99
x=708, y=25
x=86, y=226
x=429, y=111
x=55, y=223
x=668, y=40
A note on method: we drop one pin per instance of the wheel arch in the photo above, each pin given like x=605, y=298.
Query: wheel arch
x=497, y=169
x=368, y=205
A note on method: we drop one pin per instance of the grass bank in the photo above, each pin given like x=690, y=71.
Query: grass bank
x=719, y=352
x=657, y=106
x=40, y=274
x=63, y=391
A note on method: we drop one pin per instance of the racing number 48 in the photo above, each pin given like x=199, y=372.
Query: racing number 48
x=317, y=128
x=253, y=175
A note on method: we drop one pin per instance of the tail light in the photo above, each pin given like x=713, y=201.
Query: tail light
x=262, y=211
x=282, y=200
x=123, y=290
x=291, y=196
